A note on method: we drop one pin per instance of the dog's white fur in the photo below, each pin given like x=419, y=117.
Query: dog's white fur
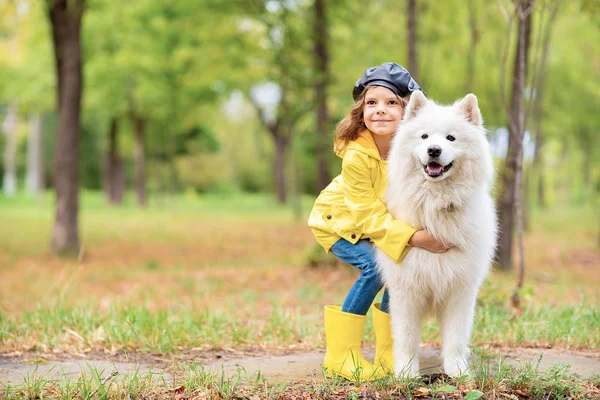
x=457, y=209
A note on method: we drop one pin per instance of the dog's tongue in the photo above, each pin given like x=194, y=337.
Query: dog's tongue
x=434, y=168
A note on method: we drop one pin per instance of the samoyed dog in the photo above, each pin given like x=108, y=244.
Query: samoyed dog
x=440, y=173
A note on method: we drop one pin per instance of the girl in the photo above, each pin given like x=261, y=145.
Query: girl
x=349, y=218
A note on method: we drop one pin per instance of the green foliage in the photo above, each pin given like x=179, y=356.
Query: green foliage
x=178, y=64
x=92, y=162
x=473, y=395
x=199, y=139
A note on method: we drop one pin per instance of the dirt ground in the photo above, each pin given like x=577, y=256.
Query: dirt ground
x=305, y=366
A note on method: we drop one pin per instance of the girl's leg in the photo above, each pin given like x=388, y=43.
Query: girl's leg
x=362, y=256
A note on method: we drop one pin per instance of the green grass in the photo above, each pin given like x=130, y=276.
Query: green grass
x=137, y=328
x=488, y=378
x=93, y=205
x=218, y=271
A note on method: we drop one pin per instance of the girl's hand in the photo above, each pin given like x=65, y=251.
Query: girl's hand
x=425, y=240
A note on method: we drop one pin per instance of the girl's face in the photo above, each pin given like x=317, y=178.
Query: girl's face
x=382, y=111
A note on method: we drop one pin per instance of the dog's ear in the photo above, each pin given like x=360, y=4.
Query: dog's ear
x=416, y=102
x=469, y=107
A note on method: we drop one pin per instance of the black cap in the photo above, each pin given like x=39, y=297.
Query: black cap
x=390, y=75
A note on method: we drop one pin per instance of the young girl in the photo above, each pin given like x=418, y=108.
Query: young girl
x=349, y=218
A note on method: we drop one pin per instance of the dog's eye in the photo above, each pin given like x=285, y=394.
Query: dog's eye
x=424, y=136
x=451, y=138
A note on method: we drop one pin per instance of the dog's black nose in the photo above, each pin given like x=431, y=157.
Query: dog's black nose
x=434, y=151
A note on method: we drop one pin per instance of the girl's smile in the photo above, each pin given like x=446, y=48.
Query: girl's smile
x=382, y=111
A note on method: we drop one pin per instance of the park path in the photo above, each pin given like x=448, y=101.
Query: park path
x=282, y=368
x=308, y=366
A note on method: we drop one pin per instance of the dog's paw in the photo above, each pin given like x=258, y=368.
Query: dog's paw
x=456, y=366
x=407, y=368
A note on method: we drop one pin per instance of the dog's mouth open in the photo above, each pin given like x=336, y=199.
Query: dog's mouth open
x=435, y=170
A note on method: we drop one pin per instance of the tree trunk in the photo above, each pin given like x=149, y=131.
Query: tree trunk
x=413, y=66
x=35, y=165
x=65, y=18
x=525, y=202
x=474, y=29
x=322, y=79
x=9, y=183
x=513, y=162
x=140, y=163
x=281, y=131
x=598, y=237
x=537, y=168
x=586, y=170
x=295, y=179
x=114, y=176
x=281, y=147
x=541, y=190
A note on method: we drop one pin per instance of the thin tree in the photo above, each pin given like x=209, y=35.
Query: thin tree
x=289, y=48
x=65, y=18
x=139, y=126
x=511, y=196
x=321, y=60
x=140, y=161
x=281, y=128
x=537, y=107
x=411, y=20
x=34, y=181
x=511, y=173
x=114, y=176
x=10, y=122
x=9, y=127
x=474, y=30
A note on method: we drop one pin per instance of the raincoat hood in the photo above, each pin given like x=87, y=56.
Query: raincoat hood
x=364, y=143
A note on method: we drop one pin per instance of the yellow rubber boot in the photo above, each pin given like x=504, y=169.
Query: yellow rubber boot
x=384, y=344
x=343, y=334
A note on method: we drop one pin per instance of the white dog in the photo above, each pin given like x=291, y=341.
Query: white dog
x=440, y=174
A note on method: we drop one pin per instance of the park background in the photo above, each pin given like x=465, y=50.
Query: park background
x=161, y=205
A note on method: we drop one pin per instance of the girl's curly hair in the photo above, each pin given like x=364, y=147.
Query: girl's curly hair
x=352, y=124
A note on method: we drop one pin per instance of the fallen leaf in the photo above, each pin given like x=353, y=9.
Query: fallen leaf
x=522, y=393
x=74, y=334
x=177, y=390
x=421, y=392
x=200, y=396
x=98, y=336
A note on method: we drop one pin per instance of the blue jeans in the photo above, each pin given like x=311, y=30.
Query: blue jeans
x=362, y=256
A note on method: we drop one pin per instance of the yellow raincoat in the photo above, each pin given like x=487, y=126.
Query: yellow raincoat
x=351, y=206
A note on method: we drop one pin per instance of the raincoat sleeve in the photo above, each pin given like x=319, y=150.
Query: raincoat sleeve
x=369, y=214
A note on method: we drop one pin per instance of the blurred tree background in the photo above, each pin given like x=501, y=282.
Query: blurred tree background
x=243, y=96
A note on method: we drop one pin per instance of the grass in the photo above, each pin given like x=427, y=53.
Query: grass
x=234, y=272
x=492, y=379
x=138, y=328
x=214, y=271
